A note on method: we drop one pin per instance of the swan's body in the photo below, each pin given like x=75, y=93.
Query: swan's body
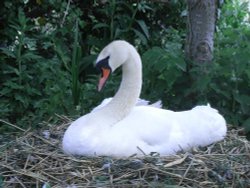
x=120, y=128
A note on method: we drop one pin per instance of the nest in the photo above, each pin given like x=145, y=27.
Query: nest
x=35, y=159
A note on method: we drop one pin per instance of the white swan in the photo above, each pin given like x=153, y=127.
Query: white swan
x=122, y=129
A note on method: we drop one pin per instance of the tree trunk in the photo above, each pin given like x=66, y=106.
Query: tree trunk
x=201, y=26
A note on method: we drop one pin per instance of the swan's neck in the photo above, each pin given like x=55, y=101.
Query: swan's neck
x=129, y=90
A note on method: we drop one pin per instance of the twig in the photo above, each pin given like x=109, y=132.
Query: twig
x=188, y=168
x=20, y=182
x=10, y=124
x=141, y=150
x=66, y=12
x=26, y=173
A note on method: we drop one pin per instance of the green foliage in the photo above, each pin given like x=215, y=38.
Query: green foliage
x=18, y=72
x=163, y=68
x=235, y=13
x=48, y=51
x=1, y=181
x=35, y=85
x=232, y=53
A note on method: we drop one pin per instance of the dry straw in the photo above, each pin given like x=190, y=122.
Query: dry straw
x=35, y=159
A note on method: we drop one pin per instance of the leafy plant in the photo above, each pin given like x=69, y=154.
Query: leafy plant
x=234, y=74
x=18, y=88
x=122, y=20
x=35, y=84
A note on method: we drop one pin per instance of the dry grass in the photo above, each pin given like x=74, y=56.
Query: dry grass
x=35, y=158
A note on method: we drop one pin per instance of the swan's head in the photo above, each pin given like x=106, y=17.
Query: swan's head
x=110, y=58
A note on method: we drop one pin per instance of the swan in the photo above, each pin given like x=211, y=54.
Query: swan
x=122, y=129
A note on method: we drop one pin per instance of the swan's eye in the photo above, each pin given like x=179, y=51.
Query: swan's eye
x=104, y=63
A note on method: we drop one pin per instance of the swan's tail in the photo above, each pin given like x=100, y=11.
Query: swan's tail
x=211, y=121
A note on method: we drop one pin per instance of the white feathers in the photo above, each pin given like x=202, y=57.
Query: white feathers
x=140, y=102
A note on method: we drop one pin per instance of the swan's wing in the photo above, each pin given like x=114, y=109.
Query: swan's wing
x=157, y=104
x=167, y=132
x=140, y=102
x=103, y=103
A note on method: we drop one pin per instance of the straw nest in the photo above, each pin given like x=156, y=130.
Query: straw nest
x=35, y=159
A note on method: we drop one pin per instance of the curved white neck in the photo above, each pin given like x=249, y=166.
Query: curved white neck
x=129, y=90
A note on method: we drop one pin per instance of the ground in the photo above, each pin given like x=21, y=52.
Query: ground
x=35, y=159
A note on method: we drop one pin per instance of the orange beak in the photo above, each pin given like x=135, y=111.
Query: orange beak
x=103, y=79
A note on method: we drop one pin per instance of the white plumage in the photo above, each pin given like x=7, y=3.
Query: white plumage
x=120, y=128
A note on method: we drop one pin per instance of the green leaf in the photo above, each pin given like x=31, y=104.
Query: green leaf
x=22, y=19
x=32, y=91
x=1, y=181
x=162, y=63
x=86, y=61
x=22, y=99
x=246, y=125
x=220, y=91
x=202, y=83
x=141, y=36
x=100, y=26
x=5, y=91
x=30, y=57
x=244, y=100
x=152, y=56
x=13, y=85
x=8, y=52
x=144, y=27
x=181, y=64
